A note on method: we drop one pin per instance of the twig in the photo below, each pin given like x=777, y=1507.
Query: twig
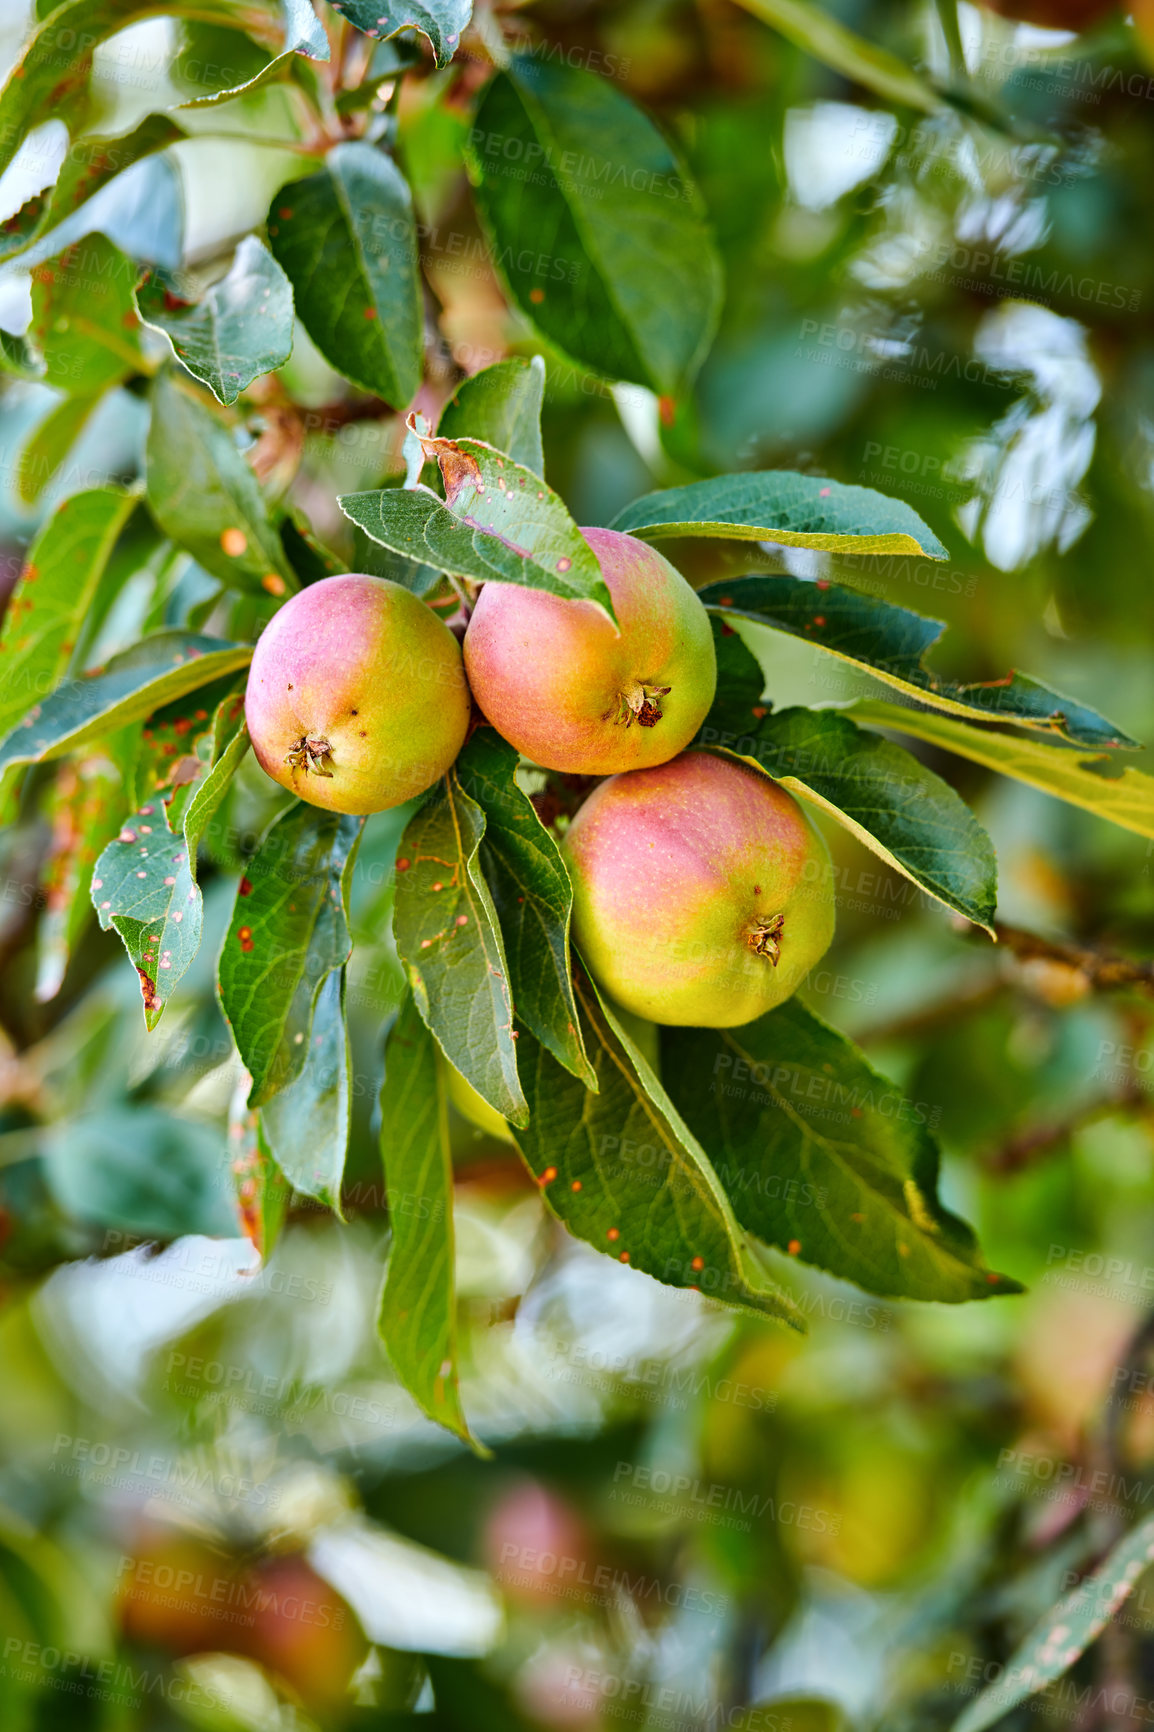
x=1030, y=1145
x=1101, y=971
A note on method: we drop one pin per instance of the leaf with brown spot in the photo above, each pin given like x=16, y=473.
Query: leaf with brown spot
x=816, y=1150
x=449, y=938
x=622, y=1170
x=295, y=922
x=417, y=1321
x=144, y=885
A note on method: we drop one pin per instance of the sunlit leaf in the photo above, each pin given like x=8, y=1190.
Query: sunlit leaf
x=206, y=498
x=144, y=884
x=780, y=506
x=501, y=405
x=449, y=939
x=347, y=239
x=604, y=245
x=1093, y=780
x=418, y=1314
x=892, y=643
x=622, y=1171
x=289, y=931
x=822, y=1157
x=498, y=520
x=140, y=680
x=533, y=898
x=57, y=590
x=1065, y=1633
x=815, y=31
x=242, y=328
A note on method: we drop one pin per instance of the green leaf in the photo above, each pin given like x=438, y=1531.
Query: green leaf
x=533, y=898
x=307, y=1122
x=49, y=444
x=1065, y=1633
x=418, y=1314
x=179, y=741
x=892, y=643
x=595, y=225
x=144, y=885
x=153, y=672
x=84, y=808
x=20, y=229
x=501, y=405
x=241, y=329
x=449, y=939
x=306, y=553
x=206, y=498
x=498, y=520
x=51, y=75
x=88, y=167
x=441, y=22
x=737, y=705
x=622, y=1171
x=18, y=359
x=289, y=931
x=303, y=34
x=140, y=1170
x=881, y=794
x=303, y=31
x=372, y=556
x=1094, y=780
x=792, y=510
x=84, y=317
x=262, y=1192
x=814, y=31
x=348, y=241
x=57, y=590
x=823, y=1157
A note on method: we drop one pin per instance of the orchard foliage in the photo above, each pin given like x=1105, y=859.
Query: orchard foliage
x=130, y=630
x=482, y=913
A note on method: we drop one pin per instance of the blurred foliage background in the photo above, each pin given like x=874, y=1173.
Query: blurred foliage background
x=216, y=1507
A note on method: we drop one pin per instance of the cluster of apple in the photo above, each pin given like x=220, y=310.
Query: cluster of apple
x=702, y=895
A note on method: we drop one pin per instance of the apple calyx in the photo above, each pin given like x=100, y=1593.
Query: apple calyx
x=640, y=703
x=309, y=753
x=764, y=937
